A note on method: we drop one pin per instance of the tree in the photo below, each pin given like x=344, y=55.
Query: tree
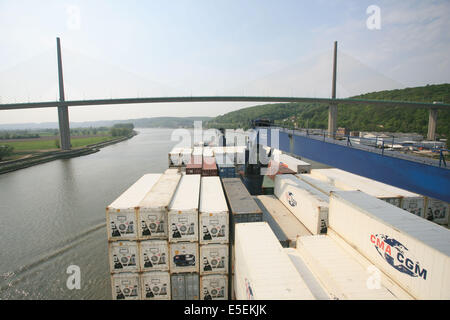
x=5, y=151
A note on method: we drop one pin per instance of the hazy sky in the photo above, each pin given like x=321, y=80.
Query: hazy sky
x=170, y=48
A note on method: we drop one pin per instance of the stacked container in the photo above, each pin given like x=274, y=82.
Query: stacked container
x=243, y=208
x=309, y=205
x=413, y=252
x=152, y=216
x=175, y=157
x=209, y=167
x=296, y=165
x=214, y=239
x=123, y=246
x=344, y=180
x=183, y=238
x=263, y=269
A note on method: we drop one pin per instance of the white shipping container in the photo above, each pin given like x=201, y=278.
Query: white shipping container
x=184, y=257
x=123, y=256
x=125, y=286
x=283, y=223
x=197, y=151
x=414, y=252
x=185, y=155
x=175, y=157
x=214, y=221
x=214, y=227
x=322, y=186
x=344, y=180
x=313, y=283
x=152, y=211
x=208, y=152
x=214, y=259
x=294, y=164
x=155, y=285
x=437, y=211
x=214, y=287
x=121, y=214
x=172, y=171
x=338, y=272
x=183, y=210
x=263, y=270
x=309, y=205
x=154, y=255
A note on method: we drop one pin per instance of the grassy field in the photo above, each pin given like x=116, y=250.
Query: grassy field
x=42, y=145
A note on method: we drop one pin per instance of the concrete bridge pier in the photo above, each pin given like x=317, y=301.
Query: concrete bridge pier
x=332, y=110
x=63, y=112
x=432, y=121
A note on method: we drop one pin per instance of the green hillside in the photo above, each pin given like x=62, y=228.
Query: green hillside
x=353, y=117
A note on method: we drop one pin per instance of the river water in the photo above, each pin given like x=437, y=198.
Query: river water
x=53, y=215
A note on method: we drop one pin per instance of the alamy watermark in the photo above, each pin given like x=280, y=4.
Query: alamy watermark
x=73, y=17
x=74, y=280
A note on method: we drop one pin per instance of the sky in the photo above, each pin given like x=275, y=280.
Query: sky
x=113, y=49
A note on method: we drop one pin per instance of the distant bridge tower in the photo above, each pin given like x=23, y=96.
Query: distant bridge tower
x=63, y=112
x=332, y=110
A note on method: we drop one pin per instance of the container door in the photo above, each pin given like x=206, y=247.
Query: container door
x=178, y=287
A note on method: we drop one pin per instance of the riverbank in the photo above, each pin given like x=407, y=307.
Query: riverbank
x=43, y=157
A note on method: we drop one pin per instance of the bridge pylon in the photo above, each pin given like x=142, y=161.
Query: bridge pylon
x=63, y=112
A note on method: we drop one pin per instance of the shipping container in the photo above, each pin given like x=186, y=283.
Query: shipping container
x=263, y=269
x=324, y=187
x=347, y=181
x=437, y=211
x=184, y=257
x=412, y=251
x=275, y=168
x=125, y=286
x=338, y=272
x=317, y=289
x=209, y=167
x=268, y=185
x=121, y=217
x=195, y=166
x=185, y=155
x=152, y=211
x=296, y=165
x=309, y=205
x=155, y=285
x=154, y=255
x=243, y=207
x=227, y=171
x=240, y=169
x=214, y=259
x=183, y=210
x=185, y=286
x=175, y=157
x=214, y=217
x=283, y=223
x=172, y=171
x=208, y=152
x=214, y=287
x=123, y=256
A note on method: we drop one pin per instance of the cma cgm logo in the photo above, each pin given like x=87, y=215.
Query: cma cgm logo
x=396, y=254
x=290, y=199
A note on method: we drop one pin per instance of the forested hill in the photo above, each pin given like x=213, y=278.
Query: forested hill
x=353, y=117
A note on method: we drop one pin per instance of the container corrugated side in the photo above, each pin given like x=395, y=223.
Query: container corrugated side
x=121, y=220
x=152, y=211
x=283, y=223
x=185, y=286
x=263, y=269
x=309, y=205
x=294, y=164
x=214, y=259
x=154, y=255
x=155, y=285
x=412, y=251
x=214, y=287
x=338, y=272
x=126, y=286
